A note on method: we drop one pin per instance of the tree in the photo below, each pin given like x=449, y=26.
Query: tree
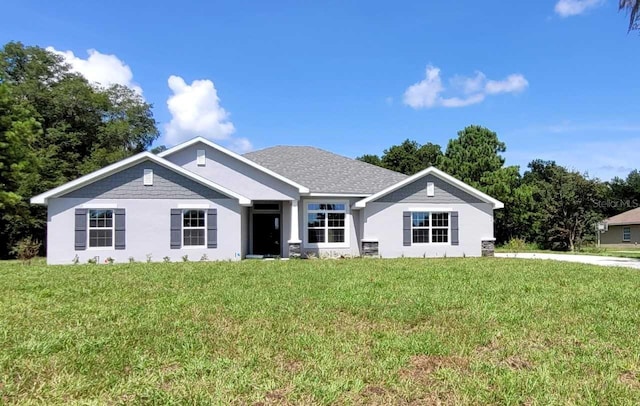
x=633, y=8
x=474, y=155
x=566, y=204
x=409, y=157
x=69, y=128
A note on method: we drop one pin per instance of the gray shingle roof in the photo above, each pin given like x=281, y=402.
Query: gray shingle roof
x=628, y=217
x=323, y=171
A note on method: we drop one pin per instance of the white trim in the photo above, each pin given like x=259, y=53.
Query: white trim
x=99, y=206
x=147, y=179
x=179, y=147
x=438, y=173
x=112, y=228
x=624, y=232
x=337, y=194
x=204, y=228
x=129, y=162
x=431, y=227
x=194, y=206
x=347, y=222
x=431, y=208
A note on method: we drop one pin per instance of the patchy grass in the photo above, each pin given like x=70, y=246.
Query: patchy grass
x=454, y=331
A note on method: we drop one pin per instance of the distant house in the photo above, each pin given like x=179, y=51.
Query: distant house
x=201, y=200
x=623, y=229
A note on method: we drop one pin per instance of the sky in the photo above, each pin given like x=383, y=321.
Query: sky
x=556, y=79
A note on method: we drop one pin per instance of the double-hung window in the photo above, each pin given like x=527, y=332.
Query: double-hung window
x=326, y=223
x=429, y=227
x=100, y=228
x=194, y=228
x=626, y=234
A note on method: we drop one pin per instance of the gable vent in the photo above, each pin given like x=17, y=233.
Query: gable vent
x=201, y=158
x=148, y=177
x=430, y=189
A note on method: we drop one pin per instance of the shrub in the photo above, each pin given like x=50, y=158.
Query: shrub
x=109, y=260
x=204, y=257
x=185, y=258
x=166, y=259
x=519, y=244
x=27, y=249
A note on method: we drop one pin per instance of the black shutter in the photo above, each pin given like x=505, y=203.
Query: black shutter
x=212, y=228
x=406, y=228
x=176, y=229
x=455, y=229
x=81, y=229
x=120, y=238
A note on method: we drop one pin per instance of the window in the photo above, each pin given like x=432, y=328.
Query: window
x=193, y=228
x=100, y=228
x=427, y=227
x=326, y=223
x=626, y=234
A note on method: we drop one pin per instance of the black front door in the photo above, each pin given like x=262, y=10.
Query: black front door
x=266, y=234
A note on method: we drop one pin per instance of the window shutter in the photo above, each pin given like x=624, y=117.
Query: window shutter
x=406, y=228
x=212, y=228
x=81, y=229
x=454, y=229
x=120, y=237
x=176, y=229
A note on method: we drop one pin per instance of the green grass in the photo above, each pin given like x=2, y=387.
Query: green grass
x=461, y=331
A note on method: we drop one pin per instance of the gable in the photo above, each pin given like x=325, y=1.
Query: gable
x=227, y=171
x=416, y=192
x=128, y=184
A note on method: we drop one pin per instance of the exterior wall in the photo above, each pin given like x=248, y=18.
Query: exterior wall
x=147, y=230
x=383, y=222
x=353, y=225
x=416, y=192
x=128, y=184
x=613, y=237
x=233, y=174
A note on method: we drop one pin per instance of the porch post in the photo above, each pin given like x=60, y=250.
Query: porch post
x=294, y=241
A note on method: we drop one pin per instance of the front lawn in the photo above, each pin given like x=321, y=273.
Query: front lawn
x=459, y=331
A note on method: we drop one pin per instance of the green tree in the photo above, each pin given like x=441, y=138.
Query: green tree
x=409, y=157
x=81, y=128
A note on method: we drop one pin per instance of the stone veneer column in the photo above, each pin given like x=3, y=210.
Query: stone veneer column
x=295, y=245
x=488, y=248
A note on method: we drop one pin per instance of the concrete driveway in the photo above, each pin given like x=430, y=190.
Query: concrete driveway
x=583, y=259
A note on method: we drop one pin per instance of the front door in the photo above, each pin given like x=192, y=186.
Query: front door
x=266, y=234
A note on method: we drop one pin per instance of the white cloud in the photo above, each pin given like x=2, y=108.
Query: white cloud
x=568, y=8
x=428, y=92
x=512, y=84
x=196, y=111
x=102, y=69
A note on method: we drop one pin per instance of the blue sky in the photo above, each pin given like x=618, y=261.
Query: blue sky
x=556, y=79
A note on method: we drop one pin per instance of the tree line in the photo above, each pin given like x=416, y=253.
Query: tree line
x=549, y=205
x=56, y=126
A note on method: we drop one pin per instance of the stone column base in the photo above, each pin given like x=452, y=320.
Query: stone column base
x=370, y=249
x=488, y=248
x=295, y=249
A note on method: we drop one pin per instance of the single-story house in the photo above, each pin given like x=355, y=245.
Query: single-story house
x=623, y=230
x=201, y=200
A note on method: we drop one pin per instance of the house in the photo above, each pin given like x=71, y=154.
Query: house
x=203, y=201
x=623, y=230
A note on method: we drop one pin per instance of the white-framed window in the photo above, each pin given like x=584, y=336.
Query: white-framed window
x=194, y=227
x=430, y=227
x=101, y=226
x=626, y=234
x=327, y=224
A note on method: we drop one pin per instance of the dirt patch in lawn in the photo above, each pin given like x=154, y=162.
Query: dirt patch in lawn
x=630, y=379
x=422, y=367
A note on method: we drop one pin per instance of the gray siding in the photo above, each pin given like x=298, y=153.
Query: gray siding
x=128, y=184
x=614, y=236
x=416, y=192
